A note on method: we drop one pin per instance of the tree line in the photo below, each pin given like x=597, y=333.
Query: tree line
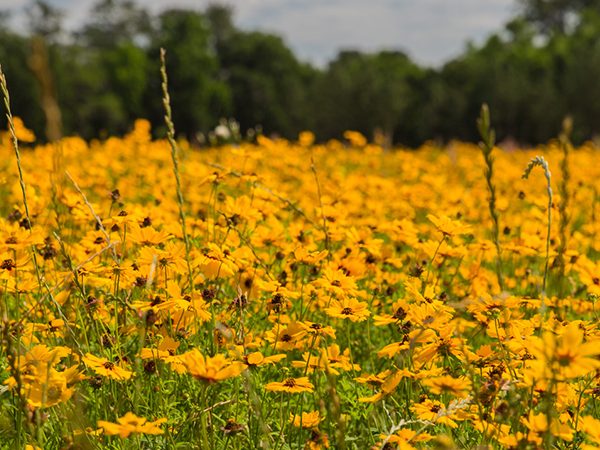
x=96, y=80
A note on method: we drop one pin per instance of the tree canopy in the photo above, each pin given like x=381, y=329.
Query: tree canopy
x=542, y=66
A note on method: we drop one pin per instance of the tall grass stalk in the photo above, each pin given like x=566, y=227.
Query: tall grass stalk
x=488, y=140
x=174, y=157
x=541, y=162
x=14, y=353
x=563, y=207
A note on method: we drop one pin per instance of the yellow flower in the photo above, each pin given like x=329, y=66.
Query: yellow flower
x=565, y=356
x=448, y=385
x=538, y=426
x=211, y=369
x=351, y=309
x=258, y=359
x=306, y=138
x=104, y=367
x=130, y=423
x=355, y=138
x=291, y=385
x=388, y=386
x=306, y=419
x=447, y=226
x=23, y=133
x=434, y=411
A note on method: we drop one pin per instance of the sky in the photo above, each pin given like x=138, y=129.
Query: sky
x=430, y=31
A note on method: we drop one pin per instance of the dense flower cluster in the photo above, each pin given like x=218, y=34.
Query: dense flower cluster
x=327, y=295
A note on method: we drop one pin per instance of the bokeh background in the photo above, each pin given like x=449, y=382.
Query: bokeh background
x=402, y=72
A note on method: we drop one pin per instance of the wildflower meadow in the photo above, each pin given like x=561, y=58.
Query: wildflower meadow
x=281, y=294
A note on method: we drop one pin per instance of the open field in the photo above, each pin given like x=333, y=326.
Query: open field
x=318, y=296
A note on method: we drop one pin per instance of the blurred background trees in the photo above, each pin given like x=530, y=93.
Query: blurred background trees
x=95, y=81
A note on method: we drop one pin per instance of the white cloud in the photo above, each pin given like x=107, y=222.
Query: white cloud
x=431, y=31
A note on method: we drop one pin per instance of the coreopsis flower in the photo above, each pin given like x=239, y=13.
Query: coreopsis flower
x=291, y=385
x=405, y=437
x=303, y=255
x=563, y=356
x=486, y=308
x=448, y=385
x=355, y=138
x=42, y=384
x=374, y=379
x=591, y=427
x=106, y=368
x=441, y=344
x=258, y=359
x=337, y=359
x=210, y=369
x=171, y=257
x=146, y=236
x=449, y=227
x=48, y=391
x=289, y=337
x=387, y=387
x=23, y=133
x=215, y=262
x=337, y=283
x=435, y=412
x=351, y=309
x=306, y=138
x=400, y=310
x=165, y=350
x=129, y=424
x=318, y=331
x=537, y=424
x=306, y=419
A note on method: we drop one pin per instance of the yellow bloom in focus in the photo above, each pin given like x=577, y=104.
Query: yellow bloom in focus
x=351, y=309
x=291, y=385
x=434, y=411
x=211, y=369
x=306, y=420
x=130, y=423
x=387, y=387
x=106, y=368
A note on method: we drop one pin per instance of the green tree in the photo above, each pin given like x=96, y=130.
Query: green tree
x=366, y=92
x=198, y=97
x=269, y=85
x=551, y=16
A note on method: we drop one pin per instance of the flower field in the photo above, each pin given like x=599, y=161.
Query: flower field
x=305, y=296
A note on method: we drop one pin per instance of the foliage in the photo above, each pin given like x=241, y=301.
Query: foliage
x=532, y=73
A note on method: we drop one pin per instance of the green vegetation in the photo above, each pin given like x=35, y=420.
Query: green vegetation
x=95, y=81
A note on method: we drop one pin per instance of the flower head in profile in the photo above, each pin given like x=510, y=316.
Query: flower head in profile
x=291, y=385
x=130, y=423
x=447, y=226
x=306, y=419
x=211, y=369
x=23, y=133
x=446, y=384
